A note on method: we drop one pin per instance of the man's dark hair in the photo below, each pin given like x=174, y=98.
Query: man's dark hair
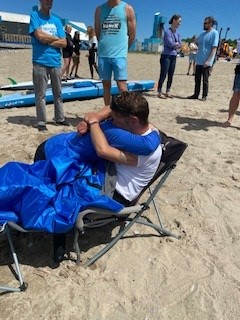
x=131, y=103
x=210, y=19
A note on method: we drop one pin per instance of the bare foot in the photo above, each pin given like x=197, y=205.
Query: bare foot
x=226, y=124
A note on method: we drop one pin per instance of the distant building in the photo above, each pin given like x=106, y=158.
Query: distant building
x=14, y=29
x=155, y=42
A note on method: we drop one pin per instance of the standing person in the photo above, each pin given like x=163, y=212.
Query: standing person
x=172, y=42
x=234, y=102
x=76, y=54
x=67, y=53
x=115, y=27
x=48, y=37
x=193, y=48
x=207, y=47
x=92, y=50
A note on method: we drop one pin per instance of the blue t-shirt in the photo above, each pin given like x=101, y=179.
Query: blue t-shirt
x=206, y=41
x=113, y=41
x=44, y=54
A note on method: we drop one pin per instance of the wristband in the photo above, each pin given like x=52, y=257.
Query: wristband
x=93, y=122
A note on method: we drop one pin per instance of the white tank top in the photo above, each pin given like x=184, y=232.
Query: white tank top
x=132, y=179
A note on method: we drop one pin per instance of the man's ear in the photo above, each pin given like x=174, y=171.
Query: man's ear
x=134, y=120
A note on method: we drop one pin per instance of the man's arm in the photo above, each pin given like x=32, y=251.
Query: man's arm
x=104, y=150
x=97, y=22
x=131, y=23
x=212, y=54
x=49, y=39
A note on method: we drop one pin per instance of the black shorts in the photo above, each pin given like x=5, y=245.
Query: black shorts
x=67, y=54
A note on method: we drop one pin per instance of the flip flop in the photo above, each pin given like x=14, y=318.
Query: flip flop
x=161, y=96
x=168, y=95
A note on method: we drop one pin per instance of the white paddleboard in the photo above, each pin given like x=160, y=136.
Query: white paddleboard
x=28, y=85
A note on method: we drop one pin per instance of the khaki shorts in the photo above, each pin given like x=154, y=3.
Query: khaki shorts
x=76, y=59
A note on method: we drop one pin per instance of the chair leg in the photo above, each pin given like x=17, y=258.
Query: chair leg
x=23, y=285
x=160, y=229
x=76, y=245
x=115, y=240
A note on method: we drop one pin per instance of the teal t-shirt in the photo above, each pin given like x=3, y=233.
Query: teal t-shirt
x=43, y=54
x=113, y=41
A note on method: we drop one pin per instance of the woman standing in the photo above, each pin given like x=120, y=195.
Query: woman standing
x=172, y=43
x=92, y=50
x=76, y=54
x=67, y=53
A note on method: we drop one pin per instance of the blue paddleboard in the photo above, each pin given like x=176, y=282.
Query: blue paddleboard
x=78, y=91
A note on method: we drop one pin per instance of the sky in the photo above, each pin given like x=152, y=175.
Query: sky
x=193, y=13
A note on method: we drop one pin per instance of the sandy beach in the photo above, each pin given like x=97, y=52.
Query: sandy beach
x=143, y=277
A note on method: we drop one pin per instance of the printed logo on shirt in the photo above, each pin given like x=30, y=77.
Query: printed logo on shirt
x=49, y=28
x=111, y=25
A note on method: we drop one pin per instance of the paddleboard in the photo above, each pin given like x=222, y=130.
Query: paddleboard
x=78, y=91
x=28, y=85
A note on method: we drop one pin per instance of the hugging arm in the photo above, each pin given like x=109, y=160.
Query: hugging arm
x=105, y=151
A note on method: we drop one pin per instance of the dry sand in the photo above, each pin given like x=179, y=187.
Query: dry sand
x=145, y=278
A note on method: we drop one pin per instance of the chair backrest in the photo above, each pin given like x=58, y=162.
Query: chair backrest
x=172, y=150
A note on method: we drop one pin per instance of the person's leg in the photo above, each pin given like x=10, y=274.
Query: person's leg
x=233, y=106
x=107, y=92
x=40, y=82
x=205, y=82
x=190, y=62
x=40, y=152
x=95, y=62
x=198, y=78
x=120, y=73
x=59, y=244
x=171, y=70
x=64, y=68
x=164, y=65
x=105, y=73
x=90, y=62
x=189, y=67
x=55, y=76
x=73, y=67
x=77, y=66
x=96, y=68
x=194, y=68
x=69, y=59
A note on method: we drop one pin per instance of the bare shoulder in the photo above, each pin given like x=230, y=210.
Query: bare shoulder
x=130, y=11
x=97, y=11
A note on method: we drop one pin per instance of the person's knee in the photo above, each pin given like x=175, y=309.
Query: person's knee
x=122, y=86
x=106, y=84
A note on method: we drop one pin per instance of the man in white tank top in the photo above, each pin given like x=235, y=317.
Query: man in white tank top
x=129, y=111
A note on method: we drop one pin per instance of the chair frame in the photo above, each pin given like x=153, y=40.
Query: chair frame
x=6, y=229
x=99, y=217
